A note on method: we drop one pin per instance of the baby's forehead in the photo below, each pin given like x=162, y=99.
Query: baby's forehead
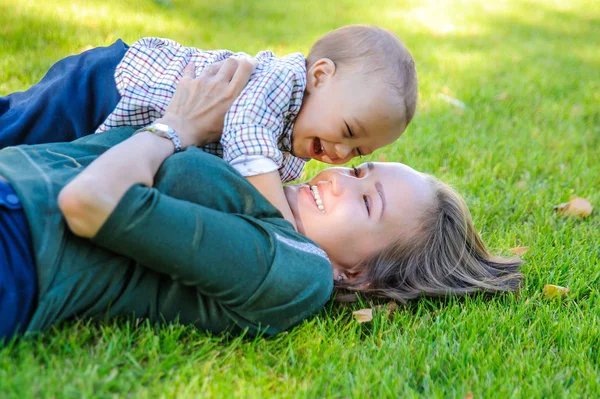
x=384, y=128
x=380, y=100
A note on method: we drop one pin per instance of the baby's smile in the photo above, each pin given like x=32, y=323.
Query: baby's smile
x=317, y=147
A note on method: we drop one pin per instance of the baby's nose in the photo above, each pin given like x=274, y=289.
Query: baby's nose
x=342, y=151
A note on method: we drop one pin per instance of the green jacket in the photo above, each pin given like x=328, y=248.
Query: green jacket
x=202, y=247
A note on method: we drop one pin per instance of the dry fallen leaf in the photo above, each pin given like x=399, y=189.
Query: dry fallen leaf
x=469, y=395
x=363, y=315
x=366, y=315
x=554, y=291
x=579, y=207
x=519, y=251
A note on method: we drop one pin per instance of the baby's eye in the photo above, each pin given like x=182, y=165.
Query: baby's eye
x=355, y=171
x=349, y=131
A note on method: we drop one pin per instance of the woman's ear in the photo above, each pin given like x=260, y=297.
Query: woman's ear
x=344, y=273
x=319, y=73
x=338, y=274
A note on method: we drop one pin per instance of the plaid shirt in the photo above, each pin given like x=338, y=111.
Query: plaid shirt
x=260, y=121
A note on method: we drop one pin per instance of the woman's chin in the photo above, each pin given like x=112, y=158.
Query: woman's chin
x=292, y=191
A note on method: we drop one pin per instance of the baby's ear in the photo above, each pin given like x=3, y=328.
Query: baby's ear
x=319, y=73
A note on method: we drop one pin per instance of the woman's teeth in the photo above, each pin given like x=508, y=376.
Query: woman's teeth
x=315, y=192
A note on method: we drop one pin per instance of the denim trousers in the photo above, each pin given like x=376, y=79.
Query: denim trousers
x=71, y=101
x=17, y=267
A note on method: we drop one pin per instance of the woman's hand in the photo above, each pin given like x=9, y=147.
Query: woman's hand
x=198, y=107
x=196, y=113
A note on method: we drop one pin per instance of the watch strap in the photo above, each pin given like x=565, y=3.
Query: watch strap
x=163, y=130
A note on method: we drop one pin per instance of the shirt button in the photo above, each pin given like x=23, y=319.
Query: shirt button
x=12, y=199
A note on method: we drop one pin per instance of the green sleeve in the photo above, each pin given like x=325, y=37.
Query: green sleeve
x=225, y=256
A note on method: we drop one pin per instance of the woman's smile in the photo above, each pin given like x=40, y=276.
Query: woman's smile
x=315, y=192
x=349, y=199
x=314, y=196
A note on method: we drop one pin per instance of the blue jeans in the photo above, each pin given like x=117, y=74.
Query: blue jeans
x=18, y=281
x=72, y=100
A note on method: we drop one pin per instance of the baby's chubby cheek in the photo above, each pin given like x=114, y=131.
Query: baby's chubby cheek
x=301, y=148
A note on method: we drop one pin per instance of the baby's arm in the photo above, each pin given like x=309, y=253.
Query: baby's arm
x=269, y=185
x=257, y=128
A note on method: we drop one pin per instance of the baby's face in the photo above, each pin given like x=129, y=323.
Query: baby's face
x=344, y=118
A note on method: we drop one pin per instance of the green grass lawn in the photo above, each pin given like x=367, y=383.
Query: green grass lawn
x=528, y=138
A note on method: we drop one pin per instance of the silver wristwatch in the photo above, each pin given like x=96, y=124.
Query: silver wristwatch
x=163, y=130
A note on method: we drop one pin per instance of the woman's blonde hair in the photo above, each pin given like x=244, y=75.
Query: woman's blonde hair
x=446, y=257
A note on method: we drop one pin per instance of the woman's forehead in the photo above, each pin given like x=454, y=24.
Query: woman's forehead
x=407, y=190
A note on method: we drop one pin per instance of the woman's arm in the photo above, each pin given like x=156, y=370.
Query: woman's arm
x=260, y=273
x=196, y=113
x=252, y=272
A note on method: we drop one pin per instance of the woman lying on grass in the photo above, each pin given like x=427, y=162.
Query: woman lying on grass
x=119, y=224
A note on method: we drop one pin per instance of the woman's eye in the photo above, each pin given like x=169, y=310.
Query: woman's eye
x=366, y=199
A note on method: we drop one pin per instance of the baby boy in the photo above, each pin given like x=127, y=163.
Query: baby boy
x=354, y=93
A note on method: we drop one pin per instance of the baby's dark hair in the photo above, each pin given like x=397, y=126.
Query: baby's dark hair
x=372, y=50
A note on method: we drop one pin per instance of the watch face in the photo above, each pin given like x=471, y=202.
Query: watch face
x=162, y=127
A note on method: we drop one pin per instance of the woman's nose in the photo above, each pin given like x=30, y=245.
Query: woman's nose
x=342, y=150
x=341, y=182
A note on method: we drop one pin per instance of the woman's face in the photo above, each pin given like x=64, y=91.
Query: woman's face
x=362, y=210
